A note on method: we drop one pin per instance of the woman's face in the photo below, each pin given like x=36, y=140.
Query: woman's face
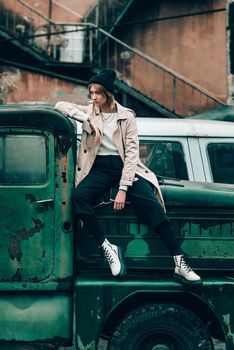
x=97, y=96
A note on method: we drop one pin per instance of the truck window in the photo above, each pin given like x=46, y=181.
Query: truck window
x=221, y=157
x=165, y=159
x=14, y=150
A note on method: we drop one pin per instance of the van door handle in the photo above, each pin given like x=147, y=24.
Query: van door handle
x=42, y=201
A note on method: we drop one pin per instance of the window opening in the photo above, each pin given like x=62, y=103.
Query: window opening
x=23, y=159
x=165, y=159
x=221, y=157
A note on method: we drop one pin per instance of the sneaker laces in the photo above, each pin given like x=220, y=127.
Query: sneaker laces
x=184, y=265
x=108, y=255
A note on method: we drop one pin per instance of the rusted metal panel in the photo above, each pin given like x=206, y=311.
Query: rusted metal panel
x=35, y=213
x=27, y=226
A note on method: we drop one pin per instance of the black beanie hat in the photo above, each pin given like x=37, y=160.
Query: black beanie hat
x=106, y=78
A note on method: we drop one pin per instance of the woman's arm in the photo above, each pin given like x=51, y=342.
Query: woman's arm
x=72, y=110
x=78, y=113
x=131, y=156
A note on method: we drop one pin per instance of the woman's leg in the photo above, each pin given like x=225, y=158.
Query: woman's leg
x=168, y=236
x=149, y=211
x=87, y=193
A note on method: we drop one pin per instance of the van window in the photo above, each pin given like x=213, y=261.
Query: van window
x=165, y=159
x=22, y=159
x=221, y=157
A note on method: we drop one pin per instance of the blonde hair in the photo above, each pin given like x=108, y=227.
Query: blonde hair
x=109, y=96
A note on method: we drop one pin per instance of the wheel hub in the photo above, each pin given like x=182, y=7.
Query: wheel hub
x=160, y=347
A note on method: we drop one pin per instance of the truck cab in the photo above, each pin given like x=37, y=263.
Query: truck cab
x=56, y=292
x=36, y=250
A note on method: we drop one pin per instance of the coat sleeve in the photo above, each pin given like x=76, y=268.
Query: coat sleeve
x=72, y=110
x=131, y=152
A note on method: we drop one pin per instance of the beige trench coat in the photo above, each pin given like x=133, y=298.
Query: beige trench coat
x=126, y=141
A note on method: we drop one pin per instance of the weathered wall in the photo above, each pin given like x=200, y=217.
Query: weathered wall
x=194, y=46
x=32, y=87
x=190, y=42
x=27, y=22
x=78, y=9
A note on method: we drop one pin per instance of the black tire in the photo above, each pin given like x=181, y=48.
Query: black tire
x=160, y=327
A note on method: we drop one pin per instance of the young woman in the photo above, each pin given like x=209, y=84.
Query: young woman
x=109, y=156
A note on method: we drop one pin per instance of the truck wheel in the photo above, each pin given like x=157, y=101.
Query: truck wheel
x=160, y=327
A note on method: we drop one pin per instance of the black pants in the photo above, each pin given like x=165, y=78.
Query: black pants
x=105, y=173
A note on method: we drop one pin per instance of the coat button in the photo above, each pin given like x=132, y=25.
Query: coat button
x=79, y=169
x=146, y=171
x=85, y=151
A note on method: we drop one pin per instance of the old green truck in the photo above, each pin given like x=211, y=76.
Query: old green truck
x=56, y=292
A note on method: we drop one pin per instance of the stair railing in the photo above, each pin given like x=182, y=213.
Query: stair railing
x=153, y=79
x=76, y=43
x=106, y=14
x=66, y=42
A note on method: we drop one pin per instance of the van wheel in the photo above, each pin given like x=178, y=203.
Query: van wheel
x=160, y=327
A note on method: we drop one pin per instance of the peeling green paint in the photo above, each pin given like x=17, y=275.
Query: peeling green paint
x=81, y=346
x=227, y=321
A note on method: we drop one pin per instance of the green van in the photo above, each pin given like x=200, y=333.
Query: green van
x=56, y=292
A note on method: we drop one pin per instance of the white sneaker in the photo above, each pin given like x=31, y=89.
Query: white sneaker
x=183, y=272
x=113, y=255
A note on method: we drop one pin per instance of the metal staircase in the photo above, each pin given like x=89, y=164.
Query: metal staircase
x=56, y=46
x=106, y=14
x=25, y=27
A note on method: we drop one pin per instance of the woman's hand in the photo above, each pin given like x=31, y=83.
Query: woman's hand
x=94, y=127
x=120, y=199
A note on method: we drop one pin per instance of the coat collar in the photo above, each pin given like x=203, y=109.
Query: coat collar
x=122, y=112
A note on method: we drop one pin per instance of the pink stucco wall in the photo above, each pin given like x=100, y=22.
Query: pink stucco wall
x=59, y=13
x=79, y=8
x=32, y=87
x=193, y=46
